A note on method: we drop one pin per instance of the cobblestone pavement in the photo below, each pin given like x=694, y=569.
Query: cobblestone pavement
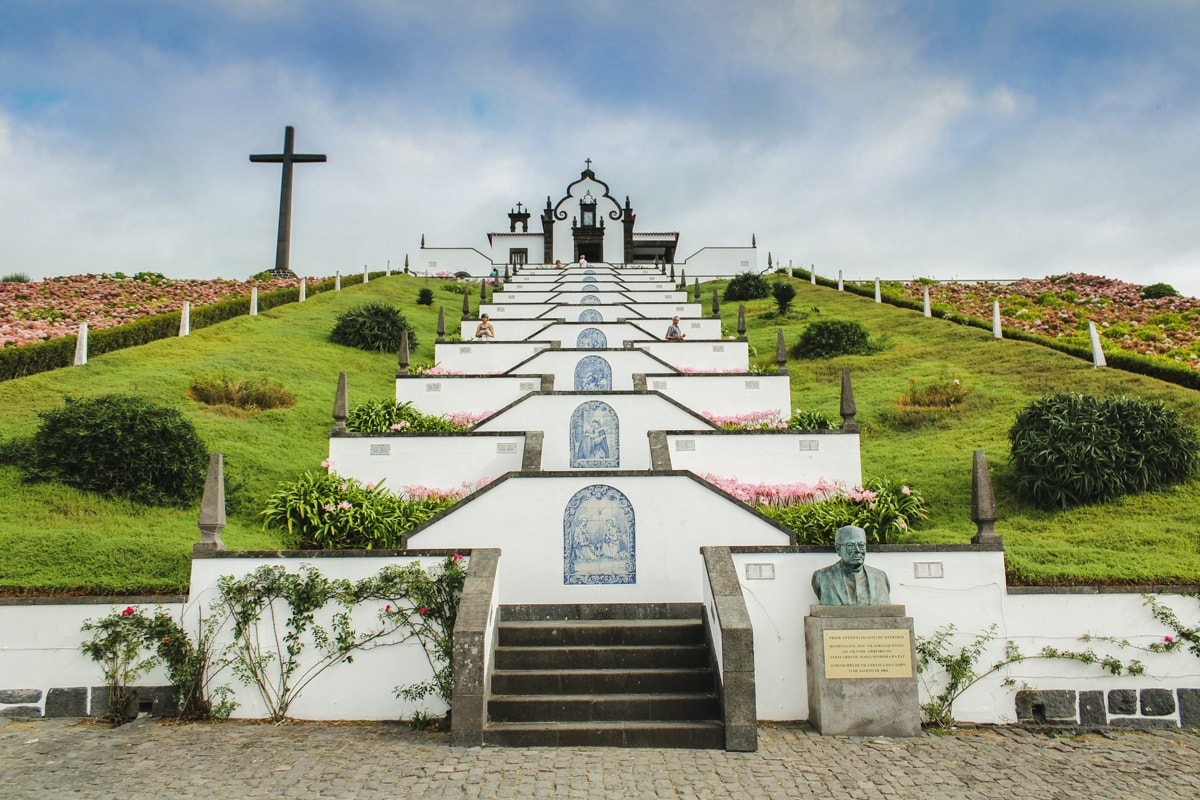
x=152, y=759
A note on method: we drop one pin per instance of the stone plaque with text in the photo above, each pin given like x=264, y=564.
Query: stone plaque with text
x=868, y=654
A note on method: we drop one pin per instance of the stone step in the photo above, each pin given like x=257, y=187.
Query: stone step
x=603, y=707
x=625, y=657
x=600, y=633
x=603, y=611
x=692, y=734
x=602, y=681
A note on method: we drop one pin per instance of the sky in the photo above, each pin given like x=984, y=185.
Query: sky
x=948, y=139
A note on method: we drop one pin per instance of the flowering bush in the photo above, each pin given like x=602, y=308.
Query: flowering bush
x=883, y=508
x=385, y=416
x=750, y=421
x=325, y=511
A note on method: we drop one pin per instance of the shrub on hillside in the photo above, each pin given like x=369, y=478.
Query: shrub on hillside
x=386, y=416
x=1069, y=449
x=15, y=277
x=373, y=327
x=119, y=445
x=827, y=338
x=1156, y=290
x=747, y=286
x=784, y=293
x=258, y=392
x=425, y=296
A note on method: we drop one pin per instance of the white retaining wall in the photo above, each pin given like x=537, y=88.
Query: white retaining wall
x=430, y=460
x=432, y=260
x=769, y=456
x=726, y=395
x=454, y=394
x=561, y=364
x=721, y=262
x=715, y=355
x=484, y=358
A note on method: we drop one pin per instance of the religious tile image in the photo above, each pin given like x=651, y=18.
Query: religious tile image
x=595, y=436
x=593, y=374
x=599, y=538
x=589, y=300
x=591, y=339
x=590, y=315
x=591, y=287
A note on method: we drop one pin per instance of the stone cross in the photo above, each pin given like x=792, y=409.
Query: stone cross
x=287, y=158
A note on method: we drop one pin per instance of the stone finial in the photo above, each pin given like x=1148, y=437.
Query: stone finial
x=406, y=263
x=441, y=328
x=672, y=272
x=212, y=508
x=466, y=311
x=770, y=262
x=1098, y=359
x=716, y=306
x=848, y=409
x=403, y=359
x=780, y=349
x=341, y=405
x=983, y=502
x=506, y=273
x=753, y=240
x=483, y=290
x=662, y=267
x=422, y=241
x=81, y=345
x=741, y=321
x=683, y=278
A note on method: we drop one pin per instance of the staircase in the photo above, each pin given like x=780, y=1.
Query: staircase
x=621, y=675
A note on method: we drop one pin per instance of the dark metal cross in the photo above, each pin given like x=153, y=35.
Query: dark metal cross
x=588, y=161
x=287, y=158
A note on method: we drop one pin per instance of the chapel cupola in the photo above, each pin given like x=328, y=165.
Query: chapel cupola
x=518, y=217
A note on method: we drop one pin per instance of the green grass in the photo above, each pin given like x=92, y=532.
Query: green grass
x=57, y=540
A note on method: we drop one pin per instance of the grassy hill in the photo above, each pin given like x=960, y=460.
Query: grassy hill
x=58, y=540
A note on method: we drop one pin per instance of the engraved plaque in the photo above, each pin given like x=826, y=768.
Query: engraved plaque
x=718, y=348
x=868, y=654
x=464, y=351
x=433, y=387
x=381, y=449
x=808, y=445
x=506, y=447
x=528, y=386
x=760, y=572
x=658, y=385
x=685, y=445
x=751, y=384
x=696, y=326
x=928, y=569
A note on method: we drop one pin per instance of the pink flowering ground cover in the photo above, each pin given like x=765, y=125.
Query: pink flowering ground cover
x=1061, y=306
x=41, y=310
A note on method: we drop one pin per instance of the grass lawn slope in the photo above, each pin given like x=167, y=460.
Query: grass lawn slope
x=56, y=540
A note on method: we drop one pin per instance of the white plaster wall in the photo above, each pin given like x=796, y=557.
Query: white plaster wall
x=551, y=414
x=722, y=261
x=498, y=311
x=39, y=646
x=502, y=243
x=362, y=689
x=972, y=596
x=431, y=261
x=561, y=364
x=437, y=462
x=769, y=456
x=666, y=310
x=484, y=358
x=674, y=517
x=508, y=330
x=715, y=355
x=450, y=394
x=693, y=327
x=726, y=395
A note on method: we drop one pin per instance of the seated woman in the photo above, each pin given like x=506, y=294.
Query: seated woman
x=485, y=332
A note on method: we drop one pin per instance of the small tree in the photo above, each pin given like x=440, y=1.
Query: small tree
x=1156, y=290
x=425, y=296
x=827, y=338
x=373, y=327
x=747, y=286
x=784, y=293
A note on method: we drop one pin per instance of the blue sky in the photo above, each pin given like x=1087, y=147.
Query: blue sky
x=894, y=139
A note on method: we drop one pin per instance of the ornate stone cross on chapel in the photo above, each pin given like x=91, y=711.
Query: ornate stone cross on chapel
x=287, y=158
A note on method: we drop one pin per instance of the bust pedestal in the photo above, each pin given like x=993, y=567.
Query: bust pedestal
x=862, y=678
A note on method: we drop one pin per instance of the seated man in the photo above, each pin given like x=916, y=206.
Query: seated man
x=674, y=332
x=485, y=332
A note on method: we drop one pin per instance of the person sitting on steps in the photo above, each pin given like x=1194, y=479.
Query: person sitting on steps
x=674, y=332
x=485, y=332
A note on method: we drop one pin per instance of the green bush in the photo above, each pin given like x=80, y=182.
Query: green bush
x=747, y=286
x=373, y=327
x=784, y=293
x=1069, y=449
x=257, y=392
x=1156, y=290
x=119, y=445
x=325, y=511
x=15, y=277
x=827, y=338
x=387, y=416
x=425, y=296
x=457, y=288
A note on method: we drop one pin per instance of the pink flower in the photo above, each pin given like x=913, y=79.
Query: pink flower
x=327, y=463
x=127, y=612
x=370, y=487
x=388, y=607
x=345, y=504
x=424, y=610
x=328, y=507
x=1168, y=639
x=904, y=490
x=456, y=557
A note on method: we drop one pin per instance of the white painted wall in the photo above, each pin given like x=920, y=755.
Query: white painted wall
x=437, y=462
x=510, y=330
x=561, y=364
x=721, y=261
x=769, y=456
x=551, y=414
x=452, y=394
x=484, y=358
x=716, y=355
x=726, y=395
x=432, y=260
x=674, y=516
x=502, y=243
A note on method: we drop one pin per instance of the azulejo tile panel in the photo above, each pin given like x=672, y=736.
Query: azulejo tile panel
x=590, y=315
x=595, y=436
x=589, y=300
x=599, y=538
x=593, y=374
x=591, y=339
